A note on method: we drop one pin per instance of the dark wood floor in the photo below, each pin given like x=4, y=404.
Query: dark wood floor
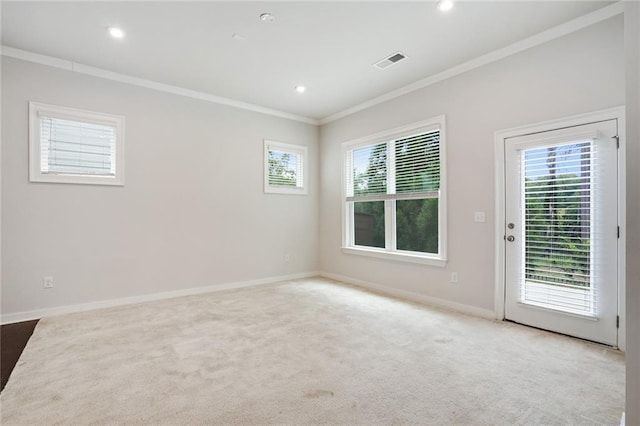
x=13, y=339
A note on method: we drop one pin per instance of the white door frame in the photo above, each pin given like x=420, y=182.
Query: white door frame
x=616, y=113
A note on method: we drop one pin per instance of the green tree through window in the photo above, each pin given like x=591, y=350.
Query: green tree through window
x=282, y=170
x=409, y=186
x=557, y=219
x=285, y=168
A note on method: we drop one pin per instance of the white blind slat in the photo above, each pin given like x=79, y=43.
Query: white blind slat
x=73, y=147
x=286, y=169
x=557, y=187
x=368, y=170
x=416, y=162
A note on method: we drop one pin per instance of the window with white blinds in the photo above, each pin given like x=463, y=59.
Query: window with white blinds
x=74, y=146
x=558, y=217
x=285, y=168
x=394, y=194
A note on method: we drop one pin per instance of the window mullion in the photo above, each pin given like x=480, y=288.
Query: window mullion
x=389, y=205
x=391, y=168
x=351, y=232
x=349, y=174
x=392, y=234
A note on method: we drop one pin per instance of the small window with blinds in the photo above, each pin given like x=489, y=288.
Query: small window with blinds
x=285, y=168
x=68, y=145
x=394, y=202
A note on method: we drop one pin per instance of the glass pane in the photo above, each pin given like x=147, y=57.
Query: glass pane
x=283, y=168
x=73, y=147
x=368, y=221
x=370, y=170
x=418, y=163
x=417, y=225
x=557, y=216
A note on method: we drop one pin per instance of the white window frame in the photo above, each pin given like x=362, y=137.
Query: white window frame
x=389, y=252
x=37, y=110
x=287, y=148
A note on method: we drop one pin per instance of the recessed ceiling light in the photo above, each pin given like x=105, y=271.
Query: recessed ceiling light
x=300, y=89
x=238, y=36
x=267, y=17
x=115, y=32
x=445, y=5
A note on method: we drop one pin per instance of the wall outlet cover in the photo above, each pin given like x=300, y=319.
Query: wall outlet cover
x=47, y=282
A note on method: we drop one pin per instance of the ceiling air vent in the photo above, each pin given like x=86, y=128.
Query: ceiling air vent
x=392, y=59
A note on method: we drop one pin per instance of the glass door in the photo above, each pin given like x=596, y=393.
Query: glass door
x=561, y=231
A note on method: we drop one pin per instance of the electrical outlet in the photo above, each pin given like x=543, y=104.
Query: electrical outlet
x=47, y=282
x=454, y=277
x=287, y=257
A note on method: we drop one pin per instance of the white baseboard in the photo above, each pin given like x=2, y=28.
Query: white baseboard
x=83, y=307
x=68, y=309
x=415, y=297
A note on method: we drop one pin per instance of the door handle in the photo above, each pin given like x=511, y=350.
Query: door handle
x=511, y=238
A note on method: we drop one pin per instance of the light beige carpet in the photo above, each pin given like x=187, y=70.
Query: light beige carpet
x=305, y=352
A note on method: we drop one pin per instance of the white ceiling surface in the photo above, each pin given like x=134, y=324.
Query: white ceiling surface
x=327, y=46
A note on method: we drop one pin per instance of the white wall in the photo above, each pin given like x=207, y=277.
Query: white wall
x=578, y=73
x=632, y=47
x=192, y=212
x=174, y=225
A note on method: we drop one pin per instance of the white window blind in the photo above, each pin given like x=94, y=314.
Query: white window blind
x=68, y=145
x=411, y=171
x=285, y=168
x=73, y=147
x=558, y=216
x=418, y=164
x=367, y=169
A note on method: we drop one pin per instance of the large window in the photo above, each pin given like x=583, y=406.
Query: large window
x=394, y=202
x=68, y=145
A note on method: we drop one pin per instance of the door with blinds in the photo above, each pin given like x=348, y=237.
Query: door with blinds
x=561, y=231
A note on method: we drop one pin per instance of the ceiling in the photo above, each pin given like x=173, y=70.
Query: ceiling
x=329, y=47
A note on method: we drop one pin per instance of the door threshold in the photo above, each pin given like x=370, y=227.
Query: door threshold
x=592, y=342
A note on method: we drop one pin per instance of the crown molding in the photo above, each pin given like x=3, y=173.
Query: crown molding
x=51, y=61
x=517, y=47
x=520, y=46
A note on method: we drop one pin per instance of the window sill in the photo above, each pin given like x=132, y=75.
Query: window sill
x=288, y=191
x=401, y=257
x=76, y=179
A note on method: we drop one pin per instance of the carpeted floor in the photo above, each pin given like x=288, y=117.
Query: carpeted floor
x=305, y=352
